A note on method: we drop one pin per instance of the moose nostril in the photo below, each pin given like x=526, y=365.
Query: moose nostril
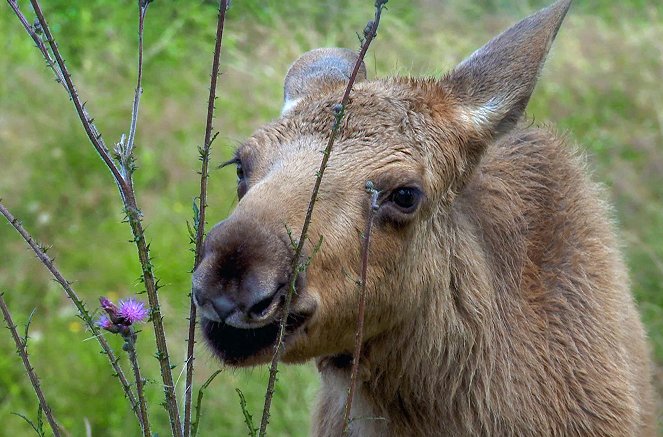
x=223, y=306
x=259, y=308
x=196, y=294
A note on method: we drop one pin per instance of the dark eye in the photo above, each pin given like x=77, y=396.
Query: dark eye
x=240, y=171
x=405, y=198
x=241, y=180
x=241, y=176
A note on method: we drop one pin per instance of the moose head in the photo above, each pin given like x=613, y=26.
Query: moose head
x=418, y=140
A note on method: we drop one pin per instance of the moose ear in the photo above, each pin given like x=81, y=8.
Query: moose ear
x=495, y=83
x=317, y=69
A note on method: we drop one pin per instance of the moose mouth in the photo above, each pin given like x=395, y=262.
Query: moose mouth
x=238, y=346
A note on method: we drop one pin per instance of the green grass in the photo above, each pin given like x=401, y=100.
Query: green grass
x=601, y=85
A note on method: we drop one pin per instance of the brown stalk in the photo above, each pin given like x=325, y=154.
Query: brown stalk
x=130, y=347
x=202, y=207
x=133, y=217
x=125, y=156
x=39, y=43
x=369, y=34
x=86, y=120
x=359, y=334
x=21, y=348
x=149, y=280
x=80, y=306
x=127, y=153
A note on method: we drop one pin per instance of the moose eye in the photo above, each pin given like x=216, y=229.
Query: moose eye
x=405, y=198
x=241, y=176
x=241, y=180
x=240, y=171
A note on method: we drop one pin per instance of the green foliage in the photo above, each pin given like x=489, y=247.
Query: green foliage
x=248, y=418
x=601, y=86
x=39, y=426
x=199, y=401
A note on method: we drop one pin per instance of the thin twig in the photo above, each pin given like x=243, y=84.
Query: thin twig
x=202, y=206
x=134, y=218
x=80, y=306
x=339, y=110
x=130, y=347
x=133, y=215
x=39, y=43
x=21, y=348
x=91, y=131
x=359, y=334
x=128, y=151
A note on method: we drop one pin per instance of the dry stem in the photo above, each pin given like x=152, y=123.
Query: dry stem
x=369, y=34
x=40, y=44
x=126, y=152
x=130, y=347
x=21, y=348
x=86, y=120
x=359, y=334
x=80, y=306
x=200, y=225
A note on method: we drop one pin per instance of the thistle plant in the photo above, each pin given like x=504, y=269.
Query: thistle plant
x=120, y=319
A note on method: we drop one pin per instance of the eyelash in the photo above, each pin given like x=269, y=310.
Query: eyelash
x=241, y=175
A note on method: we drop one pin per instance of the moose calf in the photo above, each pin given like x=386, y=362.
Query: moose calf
x=497, y=299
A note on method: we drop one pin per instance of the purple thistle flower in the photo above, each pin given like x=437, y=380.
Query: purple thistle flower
x=104, y=322
x=107, y=305
x=110, y=308
x=132, y=311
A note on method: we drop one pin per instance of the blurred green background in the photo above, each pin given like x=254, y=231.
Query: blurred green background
x=601, y=86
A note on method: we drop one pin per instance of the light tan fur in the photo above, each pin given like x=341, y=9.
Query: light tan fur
x=500, y=307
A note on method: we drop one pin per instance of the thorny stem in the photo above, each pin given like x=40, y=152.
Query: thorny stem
x=21, y=348
x=126, y=166
x=130, y=347
x=82, y=311
x=151, y=286
x=369, y=34
x=133, y=216
x=91, y=131
x=40, y=44
x=127, y=154
x=200, y=228
x=359, y=334
x=149, y=280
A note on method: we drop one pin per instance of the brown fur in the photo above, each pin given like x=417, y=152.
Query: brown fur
x=501, y=307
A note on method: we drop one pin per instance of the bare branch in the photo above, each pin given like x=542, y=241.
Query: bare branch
x=200, y=221
x=39, y=43
x=359, y=334
x=125, y=152
x=151, y=287
x=91, y=131
x=80, y=306
x=339, y=110
x=21, y=348
x=130, y=347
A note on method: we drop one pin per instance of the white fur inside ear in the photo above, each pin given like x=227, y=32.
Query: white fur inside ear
x=484, y=116
x=288, y=105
